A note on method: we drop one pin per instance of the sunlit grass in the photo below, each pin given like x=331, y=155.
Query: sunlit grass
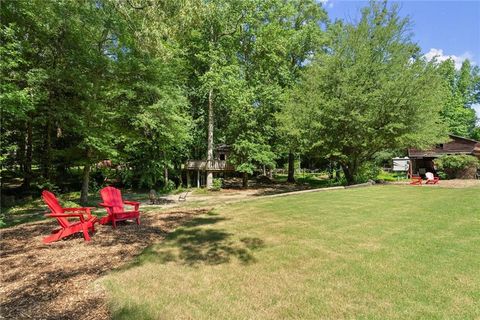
x=389, y=252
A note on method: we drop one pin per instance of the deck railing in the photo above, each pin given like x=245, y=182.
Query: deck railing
x=214, y=165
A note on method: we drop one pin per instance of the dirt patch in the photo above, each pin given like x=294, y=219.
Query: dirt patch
x=454, y=183
x=459, y=183
x=55, y=281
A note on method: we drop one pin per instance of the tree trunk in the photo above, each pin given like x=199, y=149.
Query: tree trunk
x=47, y=155
x=165, y=176
x=291, y=168
x=210, y=139
x=85, y=181
x=349, y=174
x=27, y=171
x=330, y=171
x=21, y=151
x=245, y=180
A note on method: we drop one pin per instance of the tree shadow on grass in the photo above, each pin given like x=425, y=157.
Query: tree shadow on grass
x=131, y=312
x=194, y=244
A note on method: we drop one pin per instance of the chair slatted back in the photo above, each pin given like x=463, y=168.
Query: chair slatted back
x=54, y=206
x=112, y=197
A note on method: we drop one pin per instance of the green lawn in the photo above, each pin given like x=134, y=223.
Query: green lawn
x=387, y=252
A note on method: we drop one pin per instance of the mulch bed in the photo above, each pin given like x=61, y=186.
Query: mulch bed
x=56, y=281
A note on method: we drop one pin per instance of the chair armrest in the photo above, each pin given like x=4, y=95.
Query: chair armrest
x=81, y=209
x=105, y=205
x=66, y=215
x=132, y=203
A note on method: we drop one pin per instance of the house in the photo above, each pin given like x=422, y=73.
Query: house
x=198, y=169
x=422, y=160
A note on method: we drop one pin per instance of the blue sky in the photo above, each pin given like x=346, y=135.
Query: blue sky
x=446, y=29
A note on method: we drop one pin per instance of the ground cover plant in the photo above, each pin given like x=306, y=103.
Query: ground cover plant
x=391, y=252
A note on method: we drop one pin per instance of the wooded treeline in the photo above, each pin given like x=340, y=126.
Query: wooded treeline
x=149, y=84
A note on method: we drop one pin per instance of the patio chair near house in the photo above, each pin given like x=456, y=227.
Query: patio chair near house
x=416, y=180
x=431, y=179
x=84, y=224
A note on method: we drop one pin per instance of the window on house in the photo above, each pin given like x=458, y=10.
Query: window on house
x=222, y=156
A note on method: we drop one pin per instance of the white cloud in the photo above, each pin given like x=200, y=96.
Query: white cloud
x=440, y=56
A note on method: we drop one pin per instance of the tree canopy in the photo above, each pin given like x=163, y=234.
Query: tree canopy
x=370, y=91
x=148, y=85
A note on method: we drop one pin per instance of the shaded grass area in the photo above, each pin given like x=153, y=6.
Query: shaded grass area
x=312, y=180
x=391, y=252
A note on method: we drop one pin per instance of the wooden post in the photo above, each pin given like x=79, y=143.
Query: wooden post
x=410, y=168
x=188, y=179
x=198, y=178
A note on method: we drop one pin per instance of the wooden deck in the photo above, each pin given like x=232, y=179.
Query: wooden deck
x=214, y=165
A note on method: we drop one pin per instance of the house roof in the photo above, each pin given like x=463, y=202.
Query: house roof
x=459, y=137
x=455, y=146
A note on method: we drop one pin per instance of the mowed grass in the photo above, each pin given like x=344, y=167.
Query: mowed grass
x=386, y=252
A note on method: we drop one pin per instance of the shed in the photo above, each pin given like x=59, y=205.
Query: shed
x=422, y=160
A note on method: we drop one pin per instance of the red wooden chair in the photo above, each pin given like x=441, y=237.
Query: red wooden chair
x=113, y=202
x=416, y=180
x=431, y=179
x=62, y=214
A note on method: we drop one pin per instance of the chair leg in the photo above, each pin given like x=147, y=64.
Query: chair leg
x=86, y=236
x=114, y=224
x=138, y=220
x=53, y=237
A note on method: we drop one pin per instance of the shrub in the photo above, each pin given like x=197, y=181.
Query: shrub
x=368, y=171
x=387, y=176
x=216, y=184
x=170, y=186
x=458, y=166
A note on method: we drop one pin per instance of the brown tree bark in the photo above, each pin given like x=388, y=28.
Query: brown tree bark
x=210, y=139
x=165, y=176
x=47, y=155
x=291, y=168
x=27, y=170
x=245, y=180
x=349, y=173
x=85, y=182
x=21, y=150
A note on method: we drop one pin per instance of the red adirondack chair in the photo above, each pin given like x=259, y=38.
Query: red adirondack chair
x=431, y=179
x=113, y=202
x=62, y=214
x=416, y=180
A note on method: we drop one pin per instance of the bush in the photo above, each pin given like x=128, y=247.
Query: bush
x=387, y=176
x=170, y=186
x=458, y=166
x=368, y=171
x=216, y=185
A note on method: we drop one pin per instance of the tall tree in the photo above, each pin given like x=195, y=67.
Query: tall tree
x=371, y=91
x=462, y=90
